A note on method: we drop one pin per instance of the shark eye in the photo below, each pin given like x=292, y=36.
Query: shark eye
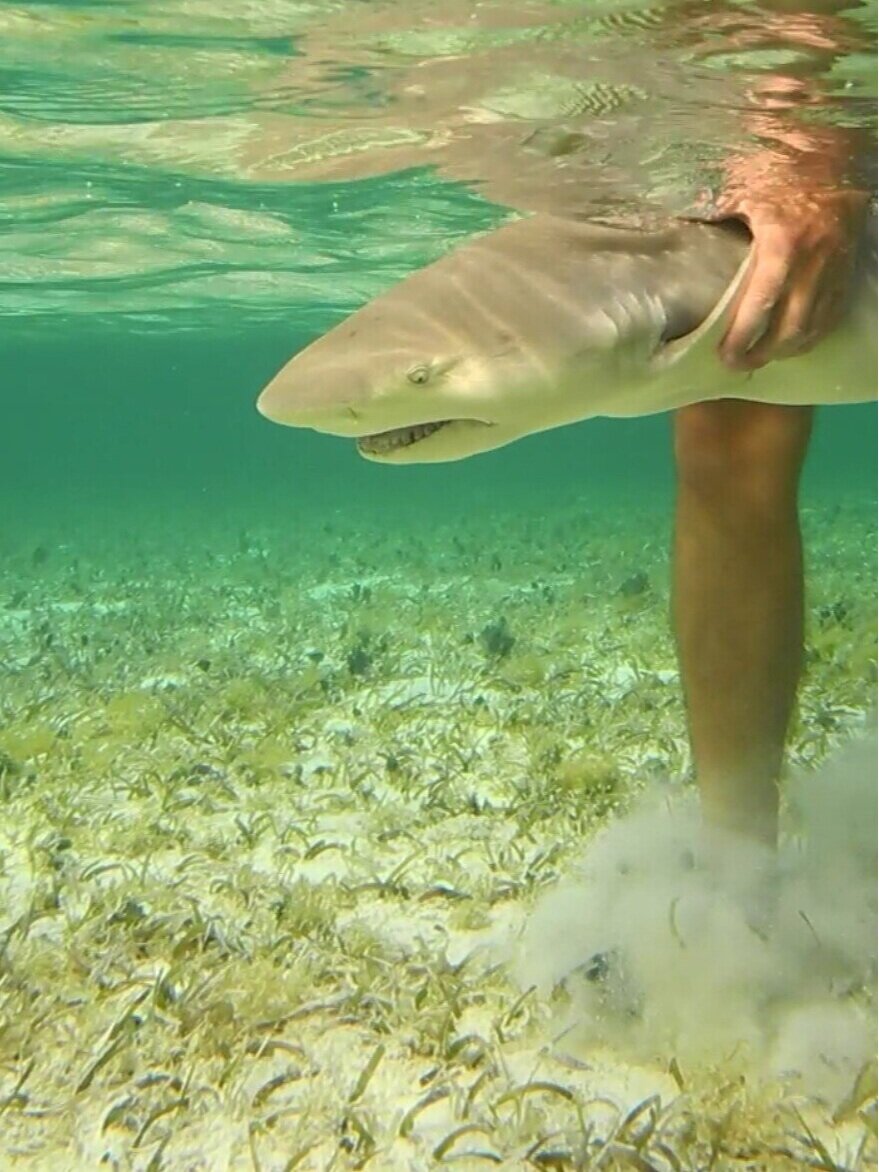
x=418, y=374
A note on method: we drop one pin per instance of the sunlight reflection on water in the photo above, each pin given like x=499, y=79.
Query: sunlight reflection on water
x=189, y=159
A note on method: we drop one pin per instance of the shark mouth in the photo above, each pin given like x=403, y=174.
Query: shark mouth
x=384, y=442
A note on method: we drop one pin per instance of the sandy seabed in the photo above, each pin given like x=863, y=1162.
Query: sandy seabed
x=297, y=822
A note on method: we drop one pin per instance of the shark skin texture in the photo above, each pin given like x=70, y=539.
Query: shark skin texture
x=550, y=320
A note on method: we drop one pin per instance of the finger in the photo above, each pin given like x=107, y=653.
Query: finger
x=751, y=312
x=813, y=306
x=791, y=330
x=832, y=298
x=828, y=310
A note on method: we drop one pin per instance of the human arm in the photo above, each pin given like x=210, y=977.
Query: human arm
x=801, y=182
x=805, y=217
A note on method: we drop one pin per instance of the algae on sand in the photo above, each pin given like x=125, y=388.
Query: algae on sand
x=253, y=901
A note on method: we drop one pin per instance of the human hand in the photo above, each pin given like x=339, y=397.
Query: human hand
x=802, y=257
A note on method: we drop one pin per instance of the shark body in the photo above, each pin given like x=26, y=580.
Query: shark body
x=547, y=321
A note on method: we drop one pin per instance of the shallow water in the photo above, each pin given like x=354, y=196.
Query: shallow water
x=162, y=257
x=238, y=662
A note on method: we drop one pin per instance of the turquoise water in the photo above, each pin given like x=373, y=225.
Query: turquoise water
x=97, y=418
x=163, y=255
x=258, y=695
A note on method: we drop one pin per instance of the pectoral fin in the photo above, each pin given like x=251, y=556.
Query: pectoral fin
x=706, y=335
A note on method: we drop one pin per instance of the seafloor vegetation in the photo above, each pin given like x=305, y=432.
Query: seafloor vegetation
x=265, y=794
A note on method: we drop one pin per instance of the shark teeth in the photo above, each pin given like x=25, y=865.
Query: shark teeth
x=399, y=437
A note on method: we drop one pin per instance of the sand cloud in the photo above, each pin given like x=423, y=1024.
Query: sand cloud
x=670, y=941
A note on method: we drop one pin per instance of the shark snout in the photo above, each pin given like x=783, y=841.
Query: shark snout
x=326, y=400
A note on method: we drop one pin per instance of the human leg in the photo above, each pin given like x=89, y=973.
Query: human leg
x=738, y=599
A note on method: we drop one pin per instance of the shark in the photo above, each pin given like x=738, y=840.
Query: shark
x=550, y=320
x=606, y=294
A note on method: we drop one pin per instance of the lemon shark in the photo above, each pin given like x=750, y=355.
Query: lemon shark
x=607, y=297
x=550, y=320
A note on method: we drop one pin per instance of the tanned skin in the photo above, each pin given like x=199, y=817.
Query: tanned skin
x=737, y=601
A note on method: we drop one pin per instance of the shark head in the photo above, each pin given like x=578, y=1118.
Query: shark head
x=533, y=326
x=438, y=368
x=411, y=376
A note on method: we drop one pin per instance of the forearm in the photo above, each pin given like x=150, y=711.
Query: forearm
x=796, y=116
x=783, y=154
x=800, y=133
x=790, y=124
x=797, y=166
